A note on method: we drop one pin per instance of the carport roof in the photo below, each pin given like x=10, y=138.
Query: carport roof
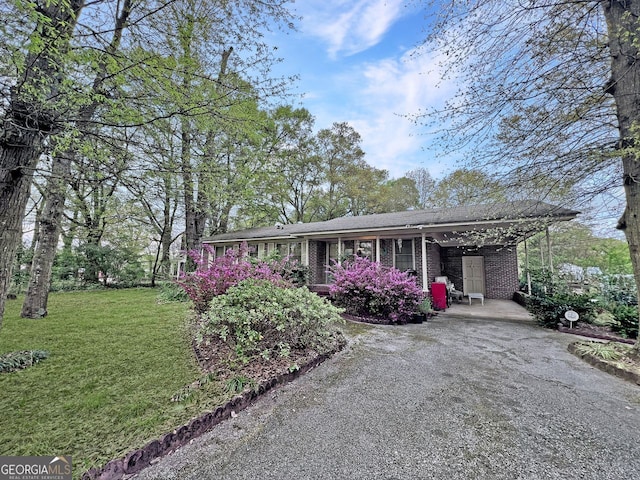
x=471, y=217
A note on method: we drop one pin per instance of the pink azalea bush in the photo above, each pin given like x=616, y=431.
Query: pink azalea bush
x=366, y=288
x=214, y=278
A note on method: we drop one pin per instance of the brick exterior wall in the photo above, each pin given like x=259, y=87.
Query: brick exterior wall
x=386, y=252
x=501, y=271
x=417, y=246
x=317, y=256
x=500, y=268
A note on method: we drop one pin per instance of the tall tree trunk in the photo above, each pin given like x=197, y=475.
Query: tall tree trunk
x=624, y=37
x=166, y=239
x=190, y=236
x=18, y=158
x=93, y=256
x=29, y=121
x=162, y=265
x=36, y=226
x=35, y=302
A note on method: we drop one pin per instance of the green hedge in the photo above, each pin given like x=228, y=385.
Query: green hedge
x=258, y=318
x=549, y=310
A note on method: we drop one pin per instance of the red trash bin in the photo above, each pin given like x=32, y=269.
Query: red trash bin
x=439, y=295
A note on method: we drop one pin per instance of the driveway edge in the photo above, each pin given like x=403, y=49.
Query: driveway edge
x=136, y=460
x=604, y=366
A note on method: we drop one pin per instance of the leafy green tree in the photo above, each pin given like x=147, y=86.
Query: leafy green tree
x=35, y=107
x=154, y=185
x=296, y=170
x=323, y=176
x=214, y=47
x=64, y=79
x=424, y=183
x=363, y=187
x=49, y=221
x=466, y=187
x=574, y=243
x=397, y=195
x=341, y=154
x=235, y=164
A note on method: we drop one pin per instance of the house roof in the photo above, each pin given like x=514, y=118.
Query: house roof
x=471, y=217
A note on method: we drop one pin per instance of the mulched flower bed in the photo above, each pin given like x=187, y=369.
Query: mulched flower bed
x=214, y=355
x=626, y=367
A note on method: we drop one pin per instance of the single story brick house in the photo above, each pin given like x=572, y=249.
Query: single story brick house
x=474, y=246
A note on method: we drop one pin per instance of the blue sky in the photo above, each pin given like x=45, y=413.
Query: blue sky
x=355, y=62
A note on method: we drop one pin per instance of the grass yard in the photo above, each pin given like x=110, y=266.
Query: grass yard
x=116, y=359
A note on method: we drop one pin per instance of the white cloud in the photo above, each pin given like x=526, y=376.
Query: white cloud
x=375, y=96
x=348, y=26
x=384, y=94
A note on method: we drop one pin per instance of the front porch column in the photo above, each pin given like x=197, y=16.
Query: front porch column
x=425, y=280
x=378, y=249
x=306, y=253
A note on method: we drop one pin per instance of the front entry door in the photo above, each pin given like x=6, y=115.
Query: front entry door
x=473, y=275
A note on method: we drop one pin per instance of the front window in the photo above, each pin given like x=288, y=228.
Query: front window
x=295, y=250
x=364, y=249
x=292, y=250
x=403, y=254
x=283, y=249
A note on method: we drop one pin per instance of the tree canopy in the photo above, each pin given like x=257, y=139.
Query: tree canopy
x=78, y=80
x=532, y=106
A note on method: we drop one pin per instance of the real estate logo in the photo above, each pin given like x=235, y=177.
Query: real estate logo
x=35, y=468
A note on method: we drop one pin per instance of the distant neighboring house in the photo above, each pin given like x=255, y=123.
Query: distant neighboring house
x=474, y=246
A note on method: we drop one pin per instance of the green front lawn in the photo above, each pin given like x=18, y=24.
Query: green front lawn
x=116, y=359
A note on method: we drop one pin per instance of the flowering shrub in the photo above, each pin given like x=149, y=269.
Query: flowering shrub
x=215, y=278
x=260, y=319
x=366, y=288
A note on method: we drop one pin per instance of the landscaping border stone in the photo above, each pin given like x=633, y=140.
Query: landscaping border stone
x=603, y=365
x=135, y=461
x=610, y=338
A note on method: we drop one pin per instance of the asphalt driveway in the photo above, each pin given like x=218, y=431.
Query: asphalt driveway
x=452, y=398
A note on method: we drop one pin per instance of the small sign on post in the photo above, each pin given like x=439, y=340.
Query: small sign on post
x=572, y=316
